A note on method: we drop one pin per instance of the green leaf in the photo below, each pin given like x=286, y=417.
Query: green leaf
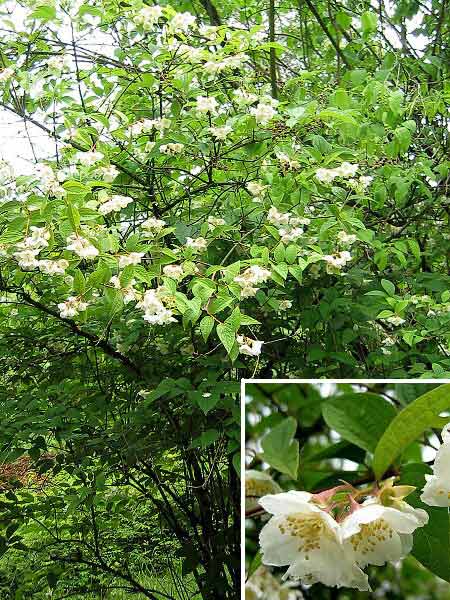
x=280, y=449
x=432, y=542
x=369, y=21
x=227, y=335
x=388, y=287
x=206, y=326
x=359, y=418
x=408, y=425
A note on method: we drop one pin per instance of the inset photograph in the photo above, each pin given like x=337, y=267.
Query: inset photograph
x=347, y=490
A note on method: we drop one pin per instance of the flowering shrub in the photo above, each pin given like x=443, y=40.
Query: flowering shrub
x=298, y=222
x=369, y=503
x=224, y=191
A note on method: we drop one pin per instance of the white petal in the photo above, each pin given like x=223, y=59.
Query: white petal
x=287, y=502
x=277, y=549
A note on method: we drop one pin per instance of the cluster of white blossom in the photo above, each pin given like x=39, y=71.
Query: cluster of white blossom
x=153, y=225
x=220, y=133
x=171, y=149
x=206, y=104
x=155, y=312
x=71, y=307
x=109, y=173
x=58, y=64
x=114, y=204
x=29, y=249
x=49, y=181
x=214, y=222
x=148, y=16
x=89, y=158
x=248, y=346
x=262, y=585
x=198, y=244
x=287, y=163
x=128, y=291
x=132, y=258
x=437, y=488
x=144, y=126
x=346, y=239
x=173, y=271
x=257, y=190
x=6, y=74
x=288, y=225
x=344, y=170
x=53, y=267
x=318, y=546
x=265, y=110
x=81, y=246
x=250, y=278
x=335, y=262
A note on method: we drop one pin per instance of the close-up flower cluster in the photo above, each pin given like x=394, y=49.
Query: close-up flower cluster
x=332, y=500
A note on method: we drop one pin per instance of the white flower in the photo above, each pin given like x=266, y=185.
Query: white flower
x=53, y=267
x=6, y=74
x=27, y=258
x=81, y=246
x=154, y=310
x=257, y=484
x=263, y=113
x=129, y=293
x=285, y=304
x=181, y=22
x=375, y=534
x=214, y=222
x=250, y=278
x=38, y=239
x=346, y=238
x=153, y=225
x=196, y=244
x=206, y=104
x=307, y=539
x=148, y=16
x=248, y=346
x=171, y=149
x=365, y=180
x=395, y=320
x=262, y=585
x=114, y=204
x=256, y=189
x=57, y=64
x=220, y=133
x=89, y=158
x=338, y=260
x=109, y=173
x=71, y=307
x=287, y=162
x=326, y=175
x=290, y=234
x=133, y=258
x=242, y=97
x=173, y=271
x=346, y=169
x=277, y=218
x=437, y=488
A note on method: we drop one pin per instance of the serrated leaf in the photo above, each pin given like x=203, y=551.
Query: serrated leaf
x=206, y=326
x=227, y=335
x=388, y=287
x=280, y=449
x=359, y=418
x=409, y=425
